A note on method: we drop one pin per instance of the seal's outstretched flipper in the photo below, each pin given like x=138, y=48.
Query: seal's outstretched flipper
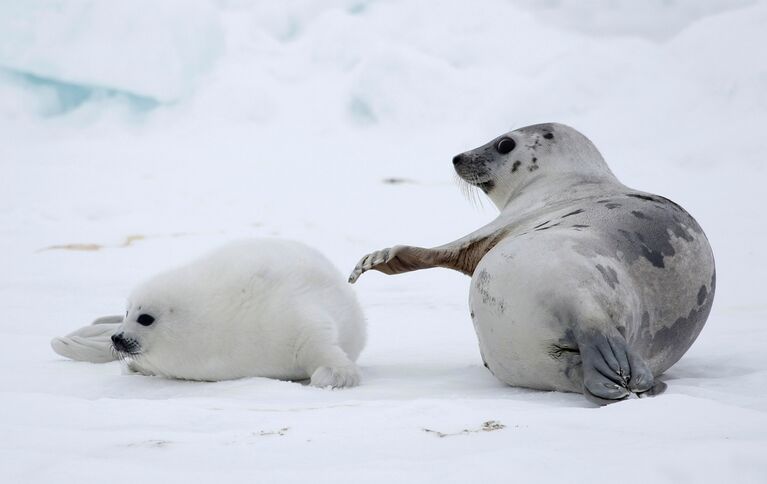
x=463, y=255
x=91, y=343
x=395, y=260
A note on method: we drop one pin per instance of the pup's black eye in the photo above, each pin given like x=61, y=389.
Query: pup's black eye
x=145, y=319
x=505, y=145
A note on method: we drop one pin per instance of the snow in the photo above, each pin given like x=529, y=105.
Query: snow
x=150, y=49
x=157, y=131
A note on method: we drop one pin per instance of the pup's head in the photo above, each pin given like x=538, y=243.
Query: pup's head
x=155, y=315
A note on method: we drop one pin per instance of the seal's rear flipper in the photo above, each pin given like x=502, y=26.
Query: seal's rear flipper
x=613, y=371
x=91, y=343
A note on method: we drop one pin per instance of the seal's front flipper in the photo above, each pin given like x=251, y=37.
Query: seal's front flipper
x=461, y=255
x=91, y=343
x=394, y=260
x=612, y=371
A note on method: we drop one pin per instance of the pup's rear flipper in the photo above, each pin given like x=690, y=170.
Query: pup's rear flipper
x=90, y=343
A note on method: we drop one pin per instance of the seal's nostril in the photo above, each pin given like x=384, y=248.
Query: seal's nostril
x=457, y=159
x=117, y=338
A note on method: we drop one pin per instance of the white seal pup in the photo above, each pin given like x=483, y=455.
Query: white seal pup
x=581, y=284
x=264, y=307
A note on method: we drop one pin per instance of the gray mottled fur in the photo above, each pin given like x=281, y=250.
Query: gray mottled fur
x=581, y=284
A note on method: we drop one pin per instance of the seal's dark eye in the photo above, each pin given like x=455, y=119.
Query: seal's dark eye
x=505, y=145
x=145, y=319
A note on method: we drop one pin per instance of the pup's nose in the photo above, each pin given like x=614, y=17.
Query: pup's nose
x=118, y=340
x=457, y=159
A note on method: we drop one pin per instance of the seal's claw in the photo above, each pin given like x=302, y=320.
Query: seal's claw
x=371, y=261
x=657, y=389
x=357, y=271
x=354, y=275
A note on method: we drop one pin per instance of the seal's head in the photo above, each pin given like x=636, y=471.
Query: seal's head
x=506, y=165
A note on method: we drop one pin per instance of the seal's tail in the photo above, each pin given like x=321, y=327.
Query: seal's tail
x=90, y=343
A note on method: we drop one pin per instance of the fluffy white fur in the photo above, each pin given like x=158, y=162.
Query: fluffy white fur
x=265, y=307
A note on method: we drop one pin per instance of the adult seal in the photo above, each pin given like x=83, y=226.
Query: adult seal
x=581, y=284
x=261, y=307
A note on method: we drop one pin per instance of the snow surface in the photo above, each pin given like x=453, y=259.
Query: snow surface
x=154, y=131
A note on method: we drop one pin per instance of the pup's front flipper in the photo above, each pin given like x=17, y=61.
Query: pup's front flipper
x=90, y=343
x=612, y=371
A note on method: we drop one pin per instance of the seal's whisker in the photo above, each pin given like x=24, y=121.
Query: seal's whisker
x=469, y=191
